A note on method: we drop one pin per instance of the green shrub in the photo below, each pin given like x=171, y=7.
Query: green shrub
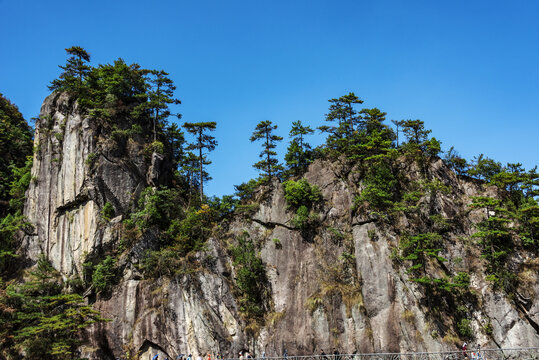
x=104, y=274
x=164, y=262
x=91, y=159
x=488, y=328
x=301, y=193
x=464, y=328
x=191, y=233
x=380, y=187
x=136, y=129
x=119, y=135
x=251, y=277
x=107, y=212
x=17, y=188
x=155, y=146
x=156, y=208
x=304, y=218
x=462, y=280
x=336, y=235
x=277, y=243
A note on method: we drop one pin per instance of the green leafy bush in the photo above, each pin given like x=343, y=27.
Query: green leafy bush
x=164, y=262
x=301, y=193
x=464, y=328
x=251, y=277
x=191, y=233
x=462, y=280
x=90, y=160
x=380, y=187
x=181, y=238
x=43, y=321
x=107, y=212
x=157, y=207
x=104, y=274
x=304, y=218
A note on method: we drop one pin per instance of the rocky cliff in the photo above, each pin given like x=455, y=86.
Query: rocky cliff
x=339, y=284
x=79, y=166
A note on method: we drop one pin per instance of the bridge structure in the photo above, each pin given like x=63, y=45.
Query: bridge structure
x=470, y=354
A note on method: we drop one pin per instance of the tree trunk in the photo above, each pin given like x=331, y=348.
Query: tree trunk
x=267, y=155
x=200, y=157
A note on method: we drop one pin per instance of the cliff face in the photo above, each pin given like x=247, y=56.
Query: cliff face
x=340, y=285
x=79, y=167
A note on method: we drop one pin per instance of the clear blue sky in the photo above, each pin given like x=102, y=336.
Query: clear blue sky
x=469, y=69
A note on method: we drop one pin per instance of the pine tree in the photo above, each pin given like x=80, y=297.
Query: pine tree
x=415, y=131
x=38, y=318
x=456, y=162
x=419, y=145
x=484, y=168
x=342, y=111
x=298, y=155
x=420, y=249
x=16, y=145
x=269, y=163
x=528, y=215
x=75, y=72
x=117, y=90
x=202, y=141
x=397, y=123
x=372, y=120
x=375, y=138
x=161, y=95
x=493, y=232
x=176, y=138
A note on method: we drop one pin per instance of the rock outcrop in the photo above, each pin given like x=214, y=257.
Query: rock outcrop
x=79, y=167
x=341, y=286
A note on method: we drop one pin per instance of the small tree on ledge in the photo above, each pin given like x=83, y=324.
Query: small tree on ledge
x=75, y=72
x=269, y=163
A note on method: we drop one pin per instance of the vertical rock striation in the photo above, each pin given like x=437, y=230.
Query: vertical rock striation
x=77, y=169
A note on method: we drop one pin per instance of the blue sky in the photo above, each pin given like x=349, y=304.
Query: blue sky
x=469, y=69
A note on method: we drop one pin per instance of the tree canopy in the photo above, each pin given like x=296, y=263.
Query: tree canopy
x=269, y=163
x=74, y=72
x=202, y=142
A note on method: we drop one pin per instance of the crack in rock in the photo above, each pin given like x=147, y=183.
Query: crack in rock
x=272, y=225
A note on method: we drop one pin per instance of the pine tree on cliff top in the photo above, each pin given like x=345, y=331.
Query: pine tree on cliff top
x=75, y=72
x=160, y=95
x=202, y=141
x=298, y=156
x=348, y=121
x=269, y=163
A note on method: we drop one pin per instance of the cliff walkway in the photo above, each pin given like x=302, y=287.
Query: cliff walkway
x=470, y=354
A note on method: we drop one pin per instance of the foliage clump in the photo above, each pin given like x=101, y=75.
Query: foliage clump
x=303, y=197
x=40, y=319
x=251, y=277
x=269, y=163
x=104, y=274
x=301, y=193
x=107, y=212
x=16, y=145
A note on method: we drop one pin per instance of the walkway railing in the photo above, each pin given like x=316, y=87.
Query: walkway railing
x=470, y=354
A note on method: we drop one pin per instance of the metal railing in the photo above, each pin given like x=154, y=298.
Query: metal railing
x=470, y=354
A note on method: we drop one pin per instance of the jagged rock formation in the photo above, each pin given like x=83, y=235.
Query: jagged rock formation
x=340, y=286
